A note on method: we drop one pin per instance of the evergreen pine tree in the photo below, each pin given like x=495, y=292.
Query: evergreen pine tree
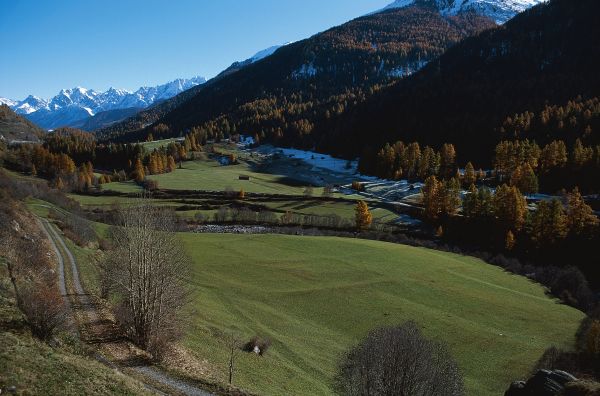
x=580, y=216
x=470, y=175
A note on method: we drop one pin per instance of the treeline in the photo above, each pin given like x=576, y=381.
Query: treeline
x=521, y=163
x=73, y=159
x=410, y=161
x=556, y=166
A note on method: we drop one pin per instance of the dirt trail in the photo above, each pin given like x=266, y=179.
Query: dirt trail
x=62, y=285
x=94, y=326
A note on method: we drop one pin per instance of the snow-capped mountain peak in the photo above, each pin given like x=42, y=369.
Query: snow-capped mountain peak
x=29, y=105
x=499, y=10
x=266, y=52
x=78, y=96
x=8, y=102
x=253, y=59
x=70, y=106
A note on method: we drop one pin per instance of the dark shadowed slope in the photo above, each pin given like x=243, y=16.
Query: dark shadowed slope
x=549, y=54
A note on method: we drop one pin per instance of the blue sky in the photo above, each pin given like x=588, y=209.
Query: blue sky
x=48, y=45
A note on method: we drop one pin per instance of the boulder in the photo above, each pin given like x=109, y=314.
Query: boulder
x=543, y=383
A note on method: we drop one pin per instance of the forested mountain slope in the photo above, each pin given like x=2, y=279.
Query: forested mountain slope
x=550, y=54
x=16, y=127
x=292, y=96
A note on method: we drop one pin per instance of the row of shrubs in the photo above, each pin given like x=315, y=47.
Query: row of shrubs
x=75, y=227
x=245, y=215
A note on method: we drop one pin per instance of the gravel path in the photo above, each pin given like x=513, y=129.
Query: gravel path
x=148, y=371
x=62, y=283
x=84, y=299
x=174, y=383
x=232, y=229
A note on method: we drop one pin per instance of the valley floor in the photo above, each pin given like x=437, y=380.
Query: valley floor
x=314, y=297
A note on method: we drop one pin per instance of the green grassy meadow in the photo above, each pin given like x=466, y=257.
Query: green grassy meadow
x=314, y=297
x=123, y=187
x=211, y=176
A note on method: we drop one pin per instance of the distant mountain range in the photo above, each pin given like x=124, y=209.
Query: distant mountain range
x=78, y=107
x=499, y=10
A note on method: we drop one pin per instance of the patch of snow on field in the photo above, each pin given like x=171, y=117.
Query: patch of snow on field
x=391, y=190
x=316, y=160
x=322, y=161
x=246, y=141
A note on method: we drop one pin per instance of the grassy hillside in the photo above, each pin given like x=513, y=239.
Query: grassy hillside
x=35, y=368
x=316, y=296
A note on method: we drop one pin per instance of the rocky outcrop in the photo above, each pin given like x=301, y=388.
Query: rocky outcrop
x=543, y=383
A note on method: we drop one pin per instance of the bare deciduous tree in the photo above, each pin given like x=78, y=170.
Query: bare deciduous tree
x=399, y=361
x=234, y=347
x=147, y=271
x=44, y=309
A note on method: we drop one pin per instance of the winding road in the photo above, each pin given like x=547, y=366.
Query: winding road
x=63, y=254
